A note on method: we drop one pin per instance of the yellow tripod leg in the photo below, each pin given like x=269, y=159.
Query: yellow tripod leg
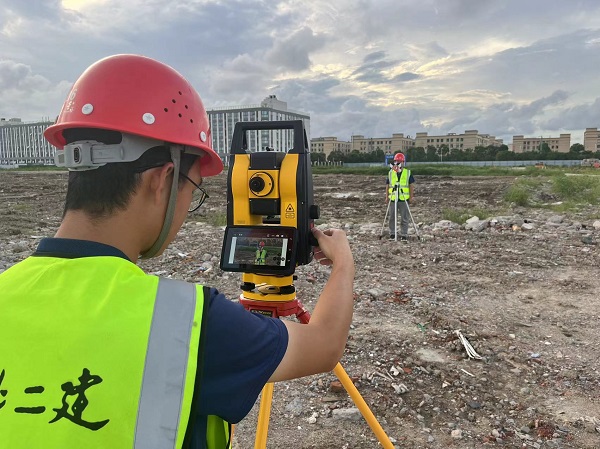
x=264, y=414
x=363, y=407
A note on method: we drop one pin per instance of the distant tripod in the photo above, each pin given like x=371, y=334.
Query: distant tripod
x=397, y=193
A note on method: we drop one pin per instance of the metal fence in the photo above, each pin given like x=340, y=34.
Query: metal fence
x=565, y=163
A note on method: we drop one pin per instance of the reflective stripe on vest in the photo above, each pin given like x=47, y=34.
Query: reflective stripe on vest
x=402, y=183
x=166, y=365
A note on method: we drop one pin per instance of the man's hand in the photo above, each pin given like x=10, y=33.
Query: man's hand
x=325, y=336
x=333, y=245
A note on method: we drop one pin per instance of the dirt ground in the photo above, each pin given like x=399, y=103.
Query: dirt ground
x=528, y=301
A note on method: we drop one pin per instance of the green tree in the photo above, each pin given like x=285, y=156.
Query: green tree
x=416, y=154
x=544, y=150
x=318, y=157
x=431, y=154
x=443, y=151
x=577, y=148
x=480, y=153
x=377, y=156
x=505, y=155
x=335, y=156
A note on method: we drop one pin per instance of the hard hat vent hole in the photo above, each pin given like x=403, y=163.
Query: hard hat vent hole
x=179, y=115
x=180, y=93
x=173, y=100
x=166, y=109
x=191, y=120
x=186, y=106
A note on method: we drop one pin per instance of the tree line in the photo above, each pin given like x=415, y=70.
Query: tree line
x=445, y=153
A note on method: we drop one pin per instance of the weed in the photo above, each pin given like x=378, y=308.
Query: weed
x=461, y=215
x=216, y=219
x=518, y=194
x=578, y=189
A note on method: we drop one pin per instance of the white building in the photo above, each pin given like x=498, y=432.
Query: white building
x=24, y=143
x=223, y=120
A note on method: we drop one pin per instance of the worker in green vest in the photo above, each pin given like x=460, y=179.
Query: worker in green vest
x=95, y=353
x=399, y=193
x=261, y=254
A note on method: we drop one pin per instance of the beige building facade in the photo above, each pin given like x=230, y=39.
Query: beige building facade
x=389, y=145
x=591, y=139
x=469, y=139
x=521, y=144
x=327, y=145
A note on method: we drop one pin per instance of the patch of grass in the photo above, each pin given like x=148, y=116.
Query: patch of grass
x=518, y=194
x=577, y=189
x=219, y=219
x=213, y=219
x=22, y=207
x=564, y=206
x=461, y=215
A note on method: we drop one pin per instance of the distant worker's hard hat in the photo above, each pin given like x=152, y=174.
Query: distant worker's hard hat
x=399, y=157
x=138, y=95
x=261, y=243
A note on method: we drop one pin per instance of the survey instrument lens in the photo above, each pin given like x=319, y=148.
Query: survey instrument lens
x=256, y=185
x=261, y=184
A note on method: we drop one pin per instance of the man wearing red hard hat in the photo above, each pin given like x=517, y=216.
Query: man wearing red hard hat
x=107, y=355
x=399, y=192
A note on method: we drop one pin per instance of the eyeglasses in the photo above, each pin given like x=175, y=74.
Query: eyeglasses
x=397, y=163
x=199, y=195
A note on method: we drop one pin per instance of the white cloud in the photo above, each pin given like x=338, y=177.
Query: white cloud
x=365, y=67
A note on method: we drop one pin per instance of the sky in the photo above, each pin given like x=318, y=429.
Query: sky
x=369, y=67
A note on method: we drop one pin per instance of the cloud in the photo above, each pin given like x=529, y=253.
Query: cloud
x=293, y=52
x=406, y=76
x=26, y=94
x=370, y=68
x=574, y=117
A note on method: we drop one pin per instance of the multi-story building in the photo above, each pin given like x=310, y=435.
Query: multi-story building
x=469, y=139
x=389, y=145
x=591, y=139
x=24, y=144
x=327, y=145
x=561, y=144
x=223, y=120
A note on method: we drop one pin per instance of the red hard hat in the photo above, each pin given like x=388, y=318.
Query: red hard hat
x=262, y=243
x=399, y=157
x=138, y=95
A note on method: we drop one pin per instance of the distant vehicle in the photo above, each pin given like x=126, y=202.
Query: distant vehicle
x=590, y=163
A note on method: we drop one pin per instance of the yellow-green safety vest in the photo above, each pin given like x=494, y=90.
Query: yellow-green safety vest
x=261, y=256
x=94, y=353
x=402, y=183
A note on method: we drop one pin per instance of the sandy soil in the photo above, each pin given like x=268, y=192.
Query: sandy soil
x=527, y=301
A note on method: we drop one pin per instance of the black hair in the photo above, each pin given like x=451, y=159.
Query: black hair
x=107, y=189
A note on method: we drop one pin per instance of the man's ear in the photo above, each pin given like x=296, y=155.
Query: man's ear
x=160, y=180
